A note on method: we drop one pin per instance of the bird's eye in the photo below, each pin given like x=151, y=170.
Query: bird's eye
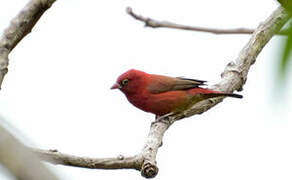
x=125, y=81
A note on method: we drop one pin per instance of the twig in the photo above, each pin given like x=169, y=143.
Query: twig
x=233, y=78
x=20, y=26
x=166, y=24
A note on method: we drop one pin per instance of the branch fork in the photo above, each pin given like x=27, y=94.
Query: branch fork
x=145, y=161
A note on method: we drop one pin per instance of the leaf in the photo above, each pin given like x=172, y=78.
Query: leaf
x=286, y=4
x=286, y=54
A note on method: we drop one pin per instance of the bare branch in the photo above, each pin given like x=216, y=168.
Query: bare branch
x=19, y=160
x=119, y=162
x=150, y=149
x=235, y=73
x=166, y=24
x=20, y=26
x=145, y=161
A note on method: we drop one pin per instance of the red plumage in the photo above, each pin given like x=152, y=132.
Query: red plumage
x=161, y=95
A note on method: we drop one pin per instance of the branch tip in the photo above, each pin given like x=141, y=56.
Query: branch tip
x=149, y=170
x=129, y=10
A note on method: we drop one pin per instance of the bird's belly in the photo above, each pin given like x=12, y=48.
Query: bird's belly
x=162, y=103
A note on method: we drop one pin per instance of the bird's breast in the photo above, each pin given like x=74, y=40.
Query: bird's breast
x=139, y=100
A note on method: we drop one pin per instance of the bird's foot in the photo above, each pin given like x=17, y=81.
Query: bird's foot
x=163, y=117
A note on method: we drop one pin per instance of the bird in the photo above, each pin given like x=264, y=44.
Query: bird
x=164, y=95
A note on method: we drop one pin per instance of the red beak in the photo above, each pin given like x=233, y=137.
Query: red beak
x=116, y=86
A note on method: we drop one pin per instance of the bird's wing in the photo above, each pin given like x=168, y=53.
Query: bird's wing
x=160, y=84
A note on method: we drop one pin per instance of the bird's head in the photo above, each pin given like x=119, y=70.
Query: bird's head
x=131, y=81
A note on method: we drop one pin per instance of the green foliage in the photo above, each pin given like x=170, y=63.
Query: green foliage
x=286, y=4
x=286, y=54
x=286, y=51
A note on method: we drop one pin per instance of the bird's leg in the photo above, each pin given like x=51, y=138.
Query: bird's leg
x=159, y=118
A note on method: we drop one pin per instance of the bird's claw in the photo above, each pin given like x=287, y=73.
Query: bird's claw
x=160, y=118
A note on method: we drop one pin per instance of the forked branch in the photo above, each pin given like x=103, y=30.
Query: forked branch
x=145, y=161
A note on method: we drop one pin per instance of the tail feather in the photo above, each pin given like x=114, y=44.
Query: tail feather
x=211, y=93
x=224, y=94
x=232, y=95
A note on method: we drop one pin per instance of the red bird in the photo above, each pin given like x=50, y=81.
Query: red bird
x=163, y=95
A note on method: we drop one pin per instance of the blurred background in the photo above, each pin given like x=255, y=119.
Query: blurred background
x=56, y=94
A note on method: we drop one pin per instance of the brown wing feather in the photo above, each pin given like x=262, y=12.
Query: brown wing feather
x=160, y=84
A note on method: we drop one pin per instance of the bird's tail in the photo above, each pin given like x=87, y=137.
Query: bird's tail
x=211, y=95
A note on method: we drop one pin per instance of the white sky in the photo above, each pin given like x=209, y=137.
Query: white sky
x=57, y=95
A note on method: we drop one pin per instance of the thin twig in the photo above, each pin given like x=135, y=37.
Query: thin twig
x=149, y=22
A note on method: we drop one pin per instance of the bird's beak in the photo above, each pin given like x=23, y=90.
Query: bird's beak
x=116, y=86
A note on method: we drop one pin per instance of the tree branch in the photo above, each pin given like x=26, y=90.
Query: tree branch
x=145, y=161
x=235, y=73
x=149, y=22
x=120, y=162
x=19, y=27
x=19, y=160
x=233, y=78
